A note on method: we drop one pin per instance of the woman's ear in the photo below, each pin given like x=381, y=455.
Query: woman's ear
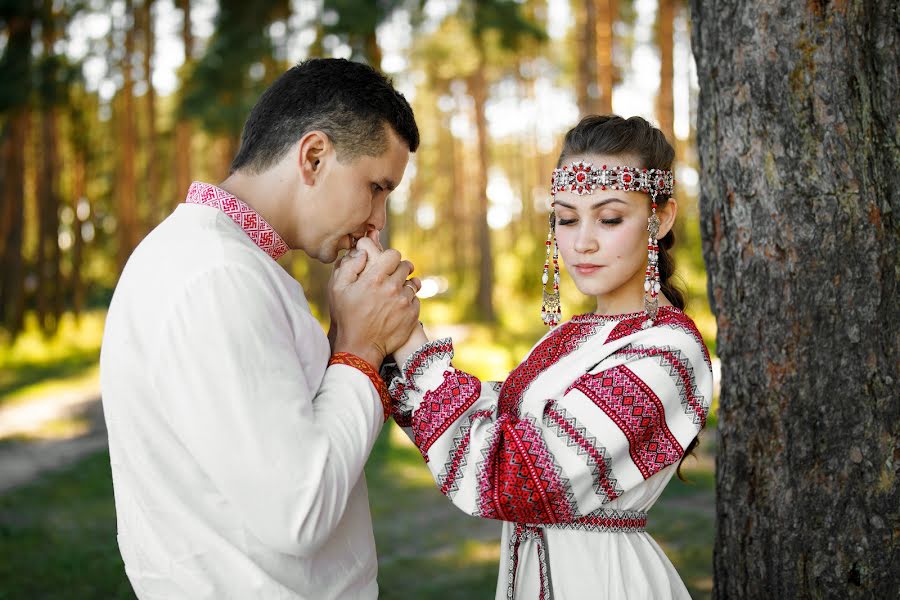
x=311, y=150
x=667, y=213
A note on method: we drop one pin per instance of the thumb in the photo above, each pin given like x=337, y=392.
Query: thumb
x=370, y=247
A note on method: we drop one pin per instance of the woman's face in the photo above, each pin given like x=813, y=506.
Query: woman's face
x=603, y=236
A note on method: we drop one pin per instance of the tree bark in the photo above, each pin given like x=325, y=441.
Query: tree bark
x=49, y=298
x=183, y=133
x=800, y=191
x=607, y=12
x=151, y=170
x=13, y=141
x=586, y=45
x=478, y=89
x=665, y=100
x=126, y=193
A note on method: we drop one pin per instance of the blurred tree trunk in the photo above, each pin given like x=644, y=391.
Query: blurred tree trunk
x=606, y=13
x=798, y=137
x=586, y=67
x=126, y=194
x=478, y=89
x=151, y=186
x=49, y=298
x=665, y=35
x=183, y=134
x=79, y=196
x=16, y=66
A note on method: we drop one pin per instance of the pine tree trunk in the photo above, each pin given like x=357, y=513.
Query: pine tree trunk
x=79, y=195
x=484, y=299
x=151, y=172
x=183, y=133
x=586, y=44
x=13, y=141
x=665, y=101
x=49, y=300
x=607, y=12
x=800, y=192
x=126, y=193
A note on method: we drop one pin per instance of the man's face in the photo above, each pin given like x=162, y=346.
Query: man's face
x=351, y=200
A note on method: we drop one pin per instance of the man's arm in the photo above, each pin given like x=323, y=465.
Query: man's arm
x=234, y=391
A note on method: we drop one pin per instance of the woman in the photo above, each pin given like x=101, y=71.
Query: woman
x=574, y=448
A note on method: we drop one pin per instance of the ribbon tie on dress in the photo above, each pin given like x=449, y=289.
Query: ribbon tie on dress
x=610, y=521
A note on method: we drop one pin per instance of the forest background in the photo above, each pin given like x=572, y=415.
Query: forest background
x=109, y=109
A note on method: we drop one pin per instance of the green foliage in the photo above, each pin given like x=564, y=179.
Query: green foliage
x=224, y=85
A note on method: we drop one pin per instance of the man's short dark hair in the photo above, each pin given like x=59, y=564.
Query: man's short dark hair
x=350, y=102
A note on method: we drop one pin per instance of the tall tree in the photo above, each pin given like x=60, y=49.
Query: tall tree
x=800, y=192
x=151, y=183
x=183, y=132
x=49, y=298
x=15, y=65
x=665, y=38
x=223, y=86
x=504, y=21
x=126, y=182
x=607, y=12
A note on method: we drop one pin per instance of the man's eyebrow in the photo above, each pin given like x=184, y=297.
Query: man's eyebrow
x=388, y=184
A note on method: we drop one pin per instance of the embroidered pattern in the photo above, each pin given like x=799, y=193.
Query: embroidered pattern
x=351, y=360
x=524, y=483
x=256, y=228
x=568, y=428
x=617, y=521
x=448, y=478
x=638, y=413
x=443, y=406
x=679, y=368
x=562, y=341
x=415, y=366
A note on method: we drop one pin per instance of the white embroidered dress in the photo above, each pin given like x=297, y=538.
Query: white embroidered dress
x=571, y=451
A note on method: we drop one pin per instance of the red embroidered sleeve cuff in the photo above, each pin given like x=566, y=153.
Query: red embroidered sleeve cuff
x=351, y=360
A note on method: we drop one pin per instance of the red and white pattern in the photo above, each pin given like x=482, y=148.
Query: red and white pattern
x=262, y=234
x=443, y=406
x=636, y=410
x=598, y=408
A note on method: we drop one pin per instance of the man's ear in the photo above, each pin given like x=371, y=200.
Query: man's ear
x=312, y=149
x=667, y=213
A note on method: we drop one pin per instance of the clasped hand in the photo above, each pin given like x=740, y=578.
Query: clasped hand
x=374, y=308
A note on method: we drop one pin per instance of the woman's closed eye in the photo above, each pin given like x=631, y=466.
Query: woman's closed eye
x=612, y=221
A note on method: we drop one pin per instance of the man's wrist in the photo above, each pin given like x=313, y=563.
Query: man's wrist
x=369, y=354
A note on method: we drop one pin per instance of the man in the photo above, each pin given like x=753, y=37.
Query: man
x=237, y=445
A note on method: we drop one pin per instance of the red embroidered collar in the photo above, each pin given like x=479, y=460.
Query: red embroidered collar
x=262, y=234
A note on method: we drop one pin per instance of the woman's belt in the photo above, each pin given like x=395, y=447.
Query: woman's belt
x=603, y=520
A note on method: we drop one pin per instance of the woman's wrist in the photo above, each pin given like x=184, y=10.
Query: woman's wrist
x=416, y=340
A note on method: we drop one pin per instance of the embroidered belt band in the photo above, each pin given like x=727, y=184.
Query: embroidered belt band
x=609, y=521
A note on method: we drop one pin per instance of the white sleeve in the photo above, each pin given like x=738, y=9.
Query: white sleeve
x=236, y=394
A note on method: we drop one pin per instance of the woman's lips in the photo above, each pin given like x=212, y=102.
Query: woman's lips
x=587, y=269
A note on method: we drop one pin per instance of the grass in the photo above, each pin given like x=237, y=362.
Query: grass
x=58, y=535
x=36, y=365
x=58, y=538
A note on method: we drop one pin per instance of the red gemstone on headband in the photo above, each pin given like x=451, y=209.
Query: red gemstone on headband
x=580, y=177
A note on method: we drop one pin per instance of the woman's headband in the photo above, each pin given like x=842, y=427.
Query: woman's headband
x=583, y=178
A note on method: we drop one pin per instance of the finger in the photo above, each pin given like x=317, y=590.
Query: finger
x=387, y=263
x=352, y=264
x=372, y=250
x=401, y=273
x=410, y=289
x=416, y=282
x=375, y=236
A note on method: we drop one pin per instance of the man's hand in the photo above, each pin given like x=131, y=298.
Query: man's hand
x=373, y=305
